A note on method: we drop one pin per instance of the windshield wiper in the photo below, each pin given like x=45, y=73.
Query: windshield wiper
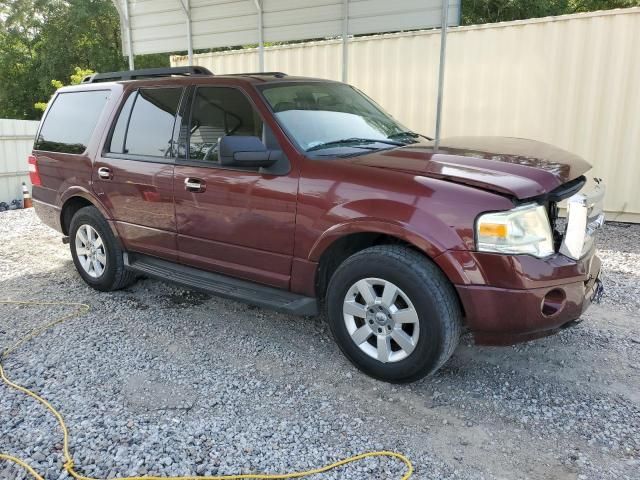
x=408, y=134
x=354, y=141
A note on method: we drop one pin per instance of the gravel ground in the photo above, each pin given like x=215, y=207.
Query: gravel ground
x=160, y=380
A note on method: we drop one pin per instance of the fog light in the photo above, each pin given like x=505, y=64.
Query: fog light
x=553, y=302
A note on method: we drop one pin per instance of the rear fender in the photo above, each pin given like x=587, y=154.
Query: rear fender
x=85, y=194
x=81, y=192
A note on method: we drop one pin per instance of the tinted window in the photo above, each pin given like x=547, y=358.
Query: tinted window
x=216, y=112
x=118, y=136
x=151, y=123
x=71, y=120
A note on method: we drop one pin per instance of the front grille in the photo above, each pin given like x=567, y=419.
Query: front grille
x=585, y=216
x=573, y=234
x=558, y=224
x=552, y=201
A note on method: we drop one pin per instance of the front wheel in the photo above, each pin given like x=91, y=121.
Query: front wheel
x=393, y=313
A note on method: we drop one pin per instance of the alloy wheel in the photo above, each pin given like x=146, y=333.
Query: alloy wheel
x=381, y=320
x=90, y=251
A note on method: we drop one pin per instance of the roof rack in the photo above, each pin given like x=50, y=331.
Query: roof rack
x=258, y=74
x=146, y=73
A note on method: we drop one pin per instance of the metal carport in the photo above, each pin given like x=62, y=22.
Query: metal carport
x=159, y=26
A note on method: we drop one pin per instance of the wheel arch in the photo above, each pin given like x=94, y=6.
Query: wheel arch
x=73, y=201
x=373, y=227
x=342, y=241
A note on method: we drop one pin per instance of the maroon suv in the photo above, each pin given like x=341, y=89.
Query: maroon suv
x=295, y=193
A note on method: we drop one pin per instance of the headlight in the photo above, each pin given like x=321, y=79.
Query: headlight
x=525, y=229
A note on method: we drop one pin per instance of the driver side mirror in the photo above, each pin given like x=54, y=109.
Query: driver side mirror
x=245, y=151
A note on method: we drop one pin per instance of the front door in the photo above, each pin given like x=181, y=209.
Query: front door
x=134, y=177
x=238, y=222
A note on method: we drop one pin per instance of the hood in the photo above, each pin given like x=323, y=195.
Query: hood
x=516, y=167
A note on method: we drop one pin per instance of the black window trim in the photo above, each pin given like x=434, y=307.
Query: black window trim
x=114, y=121
x=48, y=111
x=126, y=127
x=142, y=158
x=186, y=161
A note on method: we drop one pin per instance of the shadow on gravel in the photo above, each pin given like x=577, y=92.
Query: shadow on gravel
x=187, y=298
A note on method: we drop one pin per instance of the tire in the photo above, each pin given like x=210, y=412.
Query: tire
x=425, y=299
x=112, y=274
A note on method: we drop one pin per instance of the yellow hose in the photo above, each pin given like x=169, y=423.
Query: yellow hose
x=69, y=465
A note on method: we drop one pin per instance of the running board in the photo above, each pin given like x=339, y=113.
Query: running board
x=222, y=285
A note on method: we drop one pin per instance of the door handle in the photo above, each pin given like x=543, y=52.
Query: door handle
x=194, y=185
x=104, y=172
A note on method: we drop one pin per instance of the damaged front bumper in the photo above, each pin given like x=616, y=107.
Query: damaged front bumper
x=514, y=298
x=500, y=315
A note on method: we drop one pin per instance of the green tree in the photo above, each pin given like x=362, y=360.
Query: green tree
x=45, y=39
x=490, y=11
x=76, y=78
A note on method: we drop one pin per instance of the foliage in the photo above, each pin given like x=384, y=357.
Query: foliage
x=75, y=78
x=490, y=11
x=45, y=39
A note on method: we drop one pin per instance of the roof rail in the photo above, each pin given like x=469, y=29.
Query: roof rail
x=258, y=74
x=146, y=73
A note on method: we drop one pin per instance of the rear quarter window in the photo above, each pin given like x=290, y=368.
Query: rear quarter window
x=71, y=120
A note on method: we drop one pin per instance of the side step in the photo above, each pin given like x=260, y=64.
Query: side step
x=222, y=285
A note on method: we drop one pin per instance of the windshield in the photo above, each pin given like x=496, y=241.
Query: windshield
x=321, y=116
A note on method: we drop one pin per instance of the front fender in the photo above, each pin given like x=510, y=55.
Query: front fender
x=425, y=231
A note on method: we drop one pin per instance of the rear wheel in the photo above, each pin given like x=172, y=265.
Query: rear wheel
x=393, y=313
x=96, y=252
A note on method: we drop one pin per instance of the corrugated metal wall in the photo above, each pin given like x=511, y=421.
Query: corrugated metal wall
x=573, y=81
x=16, y=142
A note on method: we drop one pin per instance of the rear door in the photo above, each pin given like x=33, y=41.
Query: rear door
x=237, y=221
x=134, y=175
x=65, y=145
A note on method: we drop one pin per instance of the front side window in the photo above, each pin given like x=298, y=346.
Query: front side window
x=217, y=112
x=70, y=121
x=145, y=124
x=322, y=116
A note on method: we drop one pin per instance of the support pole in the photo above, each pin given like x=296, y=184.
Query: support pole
x=186, y=8
x=443, y=51
x=345, y=40
x=190, y=41
x=260, y=36
x=124, y=18
x=189, y=36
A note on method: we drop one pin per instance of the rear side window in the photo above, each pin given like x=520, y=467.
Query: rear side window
x=70, y=122
x=145, y=124
x=118, y=136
